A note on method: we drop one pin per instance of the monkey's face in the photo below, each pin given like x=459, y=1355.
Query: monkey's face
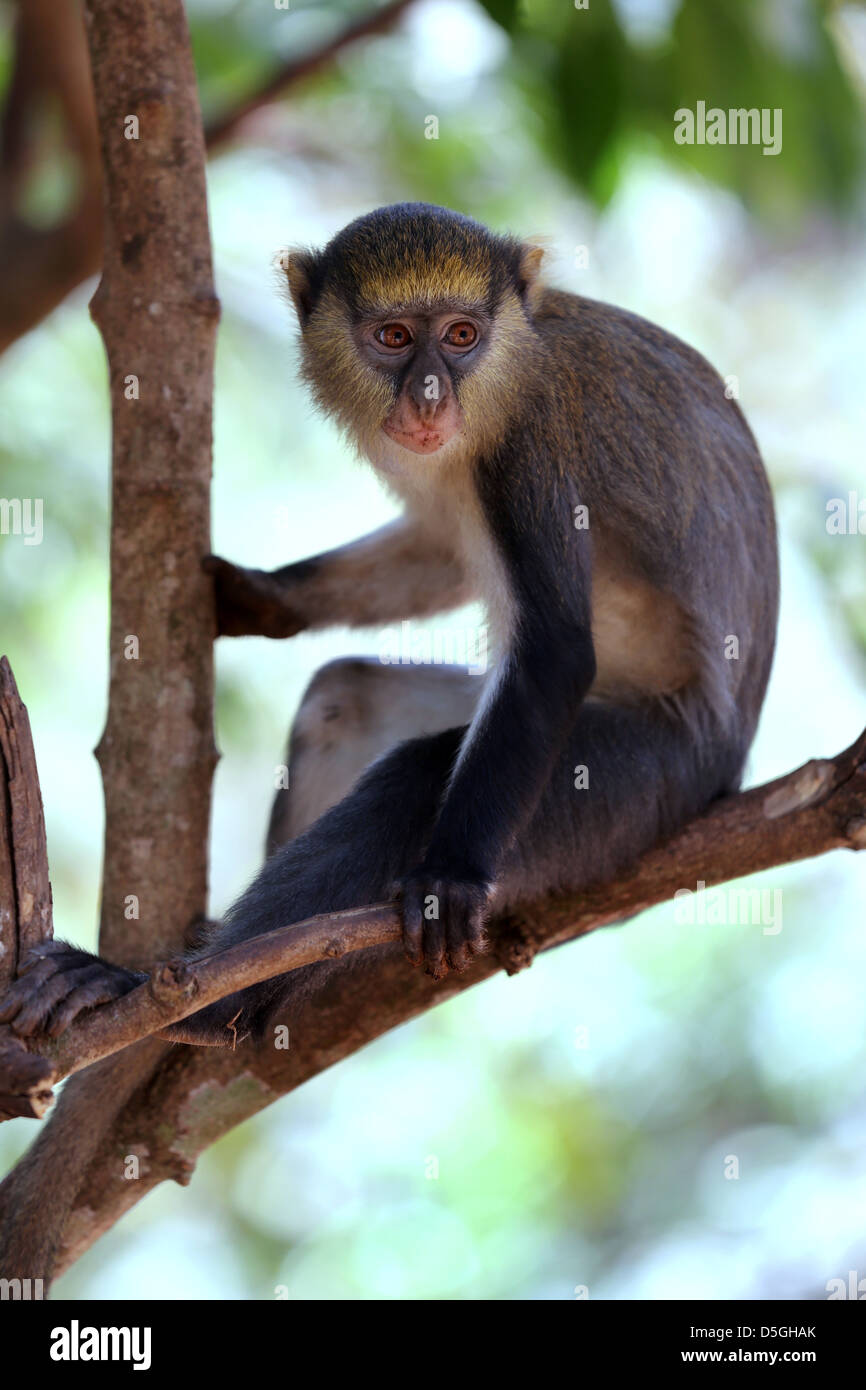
x=424, y=356
x=414, y=327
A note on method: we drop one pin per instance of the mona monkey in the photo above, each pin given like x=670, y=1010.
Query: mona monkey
x=586, y=476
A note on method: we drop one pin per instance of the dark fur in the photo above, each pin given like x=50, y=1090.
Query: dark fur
x=406, y=235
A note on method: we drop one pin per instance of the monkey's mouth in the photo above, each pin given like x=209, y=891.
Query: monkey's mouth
x=423, y=440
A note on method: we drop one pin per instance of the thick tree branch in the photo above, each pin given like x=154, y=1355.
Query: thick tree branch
x=25, y=890
x=25, y=893
x=819, y=807
x=157, y=313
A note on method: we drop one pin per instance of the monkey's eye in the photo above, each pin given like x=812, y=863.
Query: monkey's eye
x=394, y=335
x=461, y=335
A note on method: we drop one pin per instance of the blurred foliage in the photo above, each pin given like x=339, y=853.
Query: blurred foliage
x=602, y=80
x=601, y=87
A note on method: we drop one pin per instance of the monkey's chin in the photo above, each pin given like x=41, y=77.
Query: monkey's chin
x=419, y=441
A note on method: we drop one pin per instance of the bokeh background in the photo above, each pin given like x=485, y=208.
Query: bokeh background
x=575, y=1125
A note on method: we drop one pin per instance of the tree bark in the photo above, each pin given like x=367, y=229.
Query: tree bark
x=25, y=889
x=25, y=894
x=157, y=312
x=39, y=266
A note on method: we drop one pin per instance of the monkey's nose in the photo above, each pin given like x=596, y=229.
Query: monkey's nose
x=429, y=393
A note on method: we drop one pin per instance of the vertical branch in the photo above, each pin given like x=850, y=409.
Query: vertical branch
x=25, y=891
x=157, y=313
x=50, y=76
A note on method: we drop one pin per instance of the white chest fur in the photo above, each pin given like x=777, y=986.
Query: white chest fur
x=438, y=491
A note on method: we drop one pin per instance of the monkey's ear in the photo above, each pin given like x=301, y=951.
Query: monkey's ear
x=300, y=268
x=532, y=255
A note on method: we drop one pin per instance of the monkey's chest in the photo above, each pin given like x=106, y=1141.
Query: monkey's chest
x=446, y=500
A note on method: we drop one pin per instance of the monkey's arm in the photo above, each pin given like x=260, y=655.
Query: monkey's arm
x=521, y=728
x=400, y=571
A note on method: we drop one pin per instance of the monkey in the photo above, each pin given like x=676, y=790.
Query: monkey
x=585, y=476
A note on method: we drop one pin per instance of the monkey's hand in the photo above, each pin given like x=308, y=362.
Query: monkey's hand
x=251, y=603
x=443, y=918
x=58, y=982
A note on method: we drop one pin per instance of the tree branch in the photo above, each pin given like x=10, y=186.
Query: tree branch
x=25, y=889
x=219, y=131
x=25, y=894
x=157, y=313
x=39, y=267
x=819, y=807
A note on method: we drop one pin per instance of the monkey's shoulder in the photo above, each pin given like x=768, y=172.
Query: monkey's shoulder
x=607, y=337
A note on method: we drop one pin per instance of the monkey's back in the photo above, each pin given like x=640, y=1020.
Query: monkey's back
x=673, y=480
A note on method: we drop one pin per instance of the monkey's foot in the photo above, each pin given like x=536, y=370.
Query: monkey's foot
x=249, y=602
x=443, y=920
x=57, y=983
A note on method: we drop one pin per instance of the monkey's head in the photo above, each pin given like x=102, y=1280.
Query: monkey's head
x=413, y=319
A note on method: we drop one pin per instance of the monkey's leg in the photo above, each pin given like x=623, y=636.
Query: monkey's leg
x=355, y=853
x=648, y=772
x=631, y=777
x=352, y=712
